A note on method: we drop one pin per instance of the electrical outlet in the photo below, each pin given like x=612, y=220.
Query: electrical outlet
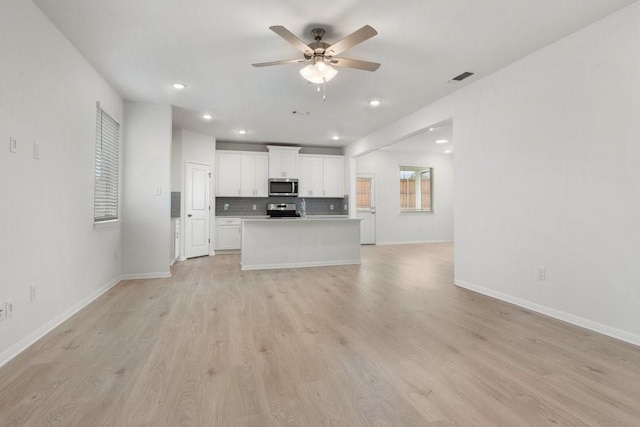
x=36, y=150
x=331, y=207
x=542, y=273
x=8, y=309
x=32, y=293
x=254, y=207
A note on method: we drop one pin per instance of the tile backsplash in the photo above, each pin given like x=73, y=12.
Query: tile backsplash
x=243, y=206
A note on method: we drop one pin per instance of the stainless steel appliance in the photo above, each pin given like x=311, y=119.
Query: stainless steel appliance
x=282, y=210
x=283, y=187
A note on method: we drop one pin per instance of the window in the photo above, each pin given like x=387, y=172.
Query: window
x=363, y=194
x=416, y=189
x=105, y=199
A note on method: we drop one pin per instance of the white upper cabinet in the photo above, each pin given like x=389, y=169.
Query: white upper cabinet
x=283, y=161
x=333, y=176
x=228, y=173
x=242, y=174
x=253, y=180
x=321, y=176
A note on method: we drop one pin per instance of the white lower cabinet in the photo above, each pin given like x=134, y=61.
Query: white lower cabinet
x=228, y=233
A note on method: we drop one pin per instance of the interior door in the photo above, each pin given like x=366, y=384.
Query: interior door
x=197, y=202
x=365, y=208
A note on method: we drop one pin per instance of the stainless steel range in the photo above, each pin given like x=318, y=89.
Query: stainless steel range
x=282, y=210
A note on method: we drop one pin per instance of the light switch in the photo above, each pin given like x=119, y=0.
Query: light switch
x=36, y=150
x=159, y=191
x=13, y=144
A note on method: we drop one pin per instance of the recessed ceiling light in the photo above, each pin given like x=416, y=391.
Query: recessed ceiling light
x=179, y=86
x=375, y=102
x=442, y=141
x=335, y=137
x=448, y=151
x=207, y=116
x=242, y=131
x=432, y=129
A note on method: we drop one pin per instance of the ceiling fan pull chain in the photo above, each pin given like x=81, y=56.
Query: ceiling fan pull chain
x=324, y=89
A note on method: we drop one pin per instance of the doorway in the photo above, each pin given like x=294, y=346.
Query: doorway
x=197, y=210
x=365, y=208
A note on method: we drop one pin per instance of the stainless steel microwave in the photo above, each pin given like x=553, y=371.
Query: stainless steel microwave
x=283, y=187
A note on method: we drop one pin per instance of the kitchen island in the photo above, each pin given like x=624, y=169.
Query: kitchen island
x=298, y=242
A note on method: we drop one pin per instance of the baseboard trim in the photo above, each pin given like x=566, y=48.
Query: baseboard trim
x=412, y=242
x=43, y=330
x=556, y=314
x=299, y=264
x=134, y=276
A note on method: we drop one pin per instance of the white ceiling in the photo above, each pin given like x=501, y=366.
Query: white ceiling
x=142, y=46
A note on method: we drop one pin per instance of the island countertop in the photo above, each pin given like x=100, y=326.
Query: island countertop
x=300, y=242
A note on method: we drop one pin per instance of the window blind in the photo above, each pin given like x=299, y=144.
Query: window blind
x=106, y=167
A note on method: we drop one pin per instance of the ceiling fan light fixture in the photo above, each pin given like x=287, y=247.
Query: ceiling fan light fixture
x=375, y=102
x=317, y=73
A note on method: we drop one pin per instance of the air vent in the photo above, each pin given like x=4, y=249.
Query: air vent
x=461, y=77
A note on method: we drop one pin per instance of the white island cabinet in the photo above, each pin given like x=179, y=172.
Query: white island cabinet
x=296, y=242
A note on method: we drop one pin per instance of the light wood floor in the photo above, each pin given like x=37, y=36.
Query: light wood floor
x=389, y=343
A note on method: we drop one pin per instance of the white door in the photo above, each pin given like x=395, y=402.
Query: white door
x=197, y=202
x=365, y=208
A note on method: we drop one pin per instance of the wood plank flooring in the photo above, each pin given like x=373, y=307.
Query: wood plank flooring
x=391, y=342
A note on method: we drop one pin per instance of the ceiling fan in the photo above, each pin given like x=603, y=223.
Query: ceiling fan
x=321, y=56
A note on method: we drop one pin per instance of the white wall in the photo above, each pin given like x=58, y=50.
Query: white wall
x=546, y=175
x=196, y=148
x=395, y=227
x=48, y=93
x=146, y=190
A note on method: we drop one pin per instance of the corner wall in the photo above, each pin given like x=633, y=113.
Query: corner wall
x=146, y=192
x=196, y=148
x=49, y=94
x=546, y=168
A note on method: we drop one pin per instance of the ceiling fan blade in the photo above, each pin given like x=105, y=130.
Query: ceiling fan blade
x=351, y=40
x=291, y=38
x=355, y=63
x=288, y=61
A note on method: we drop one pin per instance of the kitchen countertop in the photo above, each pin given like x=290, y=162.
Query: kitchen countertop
x=308, y=218
x=261, y=217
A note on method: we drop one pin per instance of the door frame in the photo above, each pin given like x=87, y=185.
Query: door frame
x=371, y=176
x=211, y=195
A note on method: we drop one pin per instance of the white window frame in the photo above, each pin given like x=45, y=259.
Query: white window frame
x=106, y=168
x=418, y=171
